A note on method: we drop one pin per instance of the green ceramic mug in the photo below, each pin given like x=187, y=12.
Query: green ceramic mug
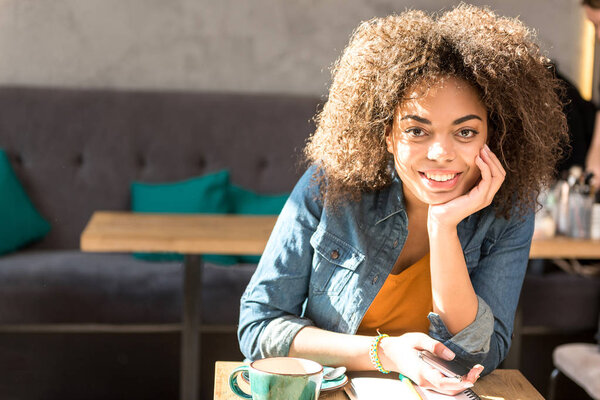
x=280, y=378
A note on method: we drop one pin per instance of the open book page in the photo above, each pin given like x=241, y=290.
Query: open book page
x=374, y=386
x=366, y=388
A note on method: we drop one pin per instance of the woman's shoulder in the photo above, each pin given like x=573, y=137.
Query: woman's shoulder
x=364, y=207
x=487, y=222
x=309, y=187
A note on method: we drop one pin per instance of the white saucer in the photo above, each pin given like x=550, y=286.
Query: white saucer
x=333, y=384
x=325, y=386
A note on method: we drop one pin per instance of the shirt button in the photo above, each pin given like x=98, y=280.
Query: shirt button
x=335, y=254
x=375, y=279
x=395, y=243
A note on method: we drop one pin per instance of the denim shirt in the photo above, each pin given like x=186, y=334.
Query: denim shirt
x=323, y=267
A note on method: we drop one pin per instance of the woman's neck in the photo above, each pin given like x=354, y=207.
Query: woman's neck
x=416, y=210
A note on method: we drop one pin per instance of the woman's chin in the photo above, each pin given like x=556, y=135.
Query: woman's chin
x=441, y=198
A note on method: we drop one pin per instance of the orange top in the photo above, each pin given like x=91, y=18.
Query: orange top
x=402, y=304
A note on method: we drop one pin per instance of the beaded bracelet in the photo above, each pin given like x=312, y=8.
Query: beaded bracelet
x=373, y=353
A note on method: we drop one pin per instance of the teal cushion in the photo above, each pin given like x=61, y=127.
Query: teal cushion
x=247, y=202
x=20, y=222
x=204, y=194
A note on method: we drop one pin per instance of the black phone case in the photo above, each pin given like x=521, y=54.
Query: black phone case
x=451, y=369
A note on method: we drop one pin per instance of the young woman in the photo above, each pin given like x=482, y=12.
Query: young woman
x=416, y=215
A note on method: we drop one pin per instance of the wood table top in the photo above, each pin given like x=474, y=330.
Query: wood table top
x=178, y=233
x=506, y=384
x=565, y=247
x=122, y=231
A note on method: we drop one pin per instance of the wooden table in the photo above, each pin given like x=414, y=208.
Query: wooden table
x=241, y=235
x=191, y=235
x=506, y=384
x=564, y=247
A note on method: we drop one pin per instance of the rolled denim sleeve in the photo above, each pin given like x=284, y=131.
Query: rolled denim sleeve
x=497, y=282
x=475, y=338
x=271, y=307
x=278, y=335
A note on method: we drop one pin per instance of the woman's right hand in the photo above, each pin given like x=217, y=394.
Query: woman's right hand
x=400, y=354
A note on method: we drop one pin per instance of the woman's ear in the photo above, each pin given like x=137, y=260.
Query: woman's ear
x=389, y=139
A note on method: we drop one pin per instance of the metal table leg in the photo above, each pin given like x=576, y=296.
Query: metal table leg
x=190, y=343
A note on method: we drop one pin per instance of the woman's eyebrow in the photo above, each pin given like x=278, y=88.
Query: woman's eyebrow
x=417, y=118
x=466, y=118
x=428, y=122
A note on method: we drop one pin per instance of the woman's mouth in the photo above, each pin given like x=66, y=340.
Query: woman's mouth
x=440, y=179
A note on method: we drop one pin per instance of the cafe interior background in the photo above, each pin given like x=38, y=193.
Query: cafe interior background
x=230, y=47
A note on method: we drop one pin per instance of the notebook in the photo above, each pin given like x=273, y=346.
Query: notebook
x=367, y=386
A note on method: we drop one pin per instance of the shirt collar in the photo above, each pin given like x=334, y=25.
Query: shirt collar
x=391, y=199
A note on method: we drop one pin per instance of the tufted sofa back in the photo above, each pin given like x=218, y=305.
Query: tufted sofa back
x=76, y=151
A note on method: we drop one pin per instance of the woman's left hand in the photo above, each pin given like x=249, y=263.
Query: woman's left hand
x=451, y=213
x=400, y=354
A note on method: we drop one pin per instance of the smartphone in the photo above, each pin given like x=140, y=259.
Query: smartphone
x=451, y=369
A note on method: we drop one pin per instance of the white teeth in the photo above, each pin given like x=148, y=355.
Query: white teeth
x=440, y=177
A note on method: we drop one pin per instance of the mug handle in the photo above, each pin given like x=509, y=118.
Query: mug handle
x=233, y=385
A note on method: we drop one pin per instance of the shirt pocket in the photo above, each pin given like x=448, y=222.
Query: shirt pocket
x=334, y=263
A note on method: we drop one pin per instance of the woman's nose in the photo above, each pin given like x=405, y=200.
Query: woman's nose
x=440, y=151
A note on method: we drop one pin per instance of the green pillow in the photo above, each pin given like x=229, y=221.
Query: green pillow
x=247, y=202
x=20, y=222
x=203, y=194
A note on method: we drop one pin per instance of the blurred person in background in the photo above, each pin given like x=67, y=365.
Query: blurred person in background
x=581, y=115
x=592, y=162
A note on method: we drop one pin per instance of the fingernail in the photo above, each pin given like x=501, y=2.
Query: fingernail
x=448, y=354
x=486, y=147
x=468, y=385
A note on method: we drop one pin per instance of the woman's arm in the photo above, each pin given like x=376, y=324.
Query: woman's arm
x=332, y=348
x=454, y=298
x=398, y=354
x=271, y=305
x=495, y=282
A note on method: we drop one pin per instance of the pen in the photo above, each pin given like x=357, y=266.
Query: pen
x=410, y=386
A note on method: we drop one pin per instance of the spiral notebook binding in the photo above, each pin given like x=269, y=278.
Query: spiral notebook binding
x=471, y=394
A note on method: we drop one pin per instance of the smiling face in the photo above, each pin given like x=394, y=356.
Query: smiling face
x=435, y=136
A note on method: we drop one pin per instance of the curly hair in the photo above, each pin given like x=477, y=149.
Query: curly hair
x=591, y=3
x=387, y=56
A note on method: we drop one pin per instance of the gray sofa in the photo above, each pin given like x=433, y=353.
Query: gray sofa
x=77, y=151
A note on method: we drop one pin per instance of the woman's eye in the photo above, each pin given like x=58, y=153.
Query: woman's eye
x=415, y=132
x=467, y=133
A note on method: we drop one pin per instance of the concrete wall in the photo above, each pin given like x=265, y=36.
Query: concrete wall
x=222, y=45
